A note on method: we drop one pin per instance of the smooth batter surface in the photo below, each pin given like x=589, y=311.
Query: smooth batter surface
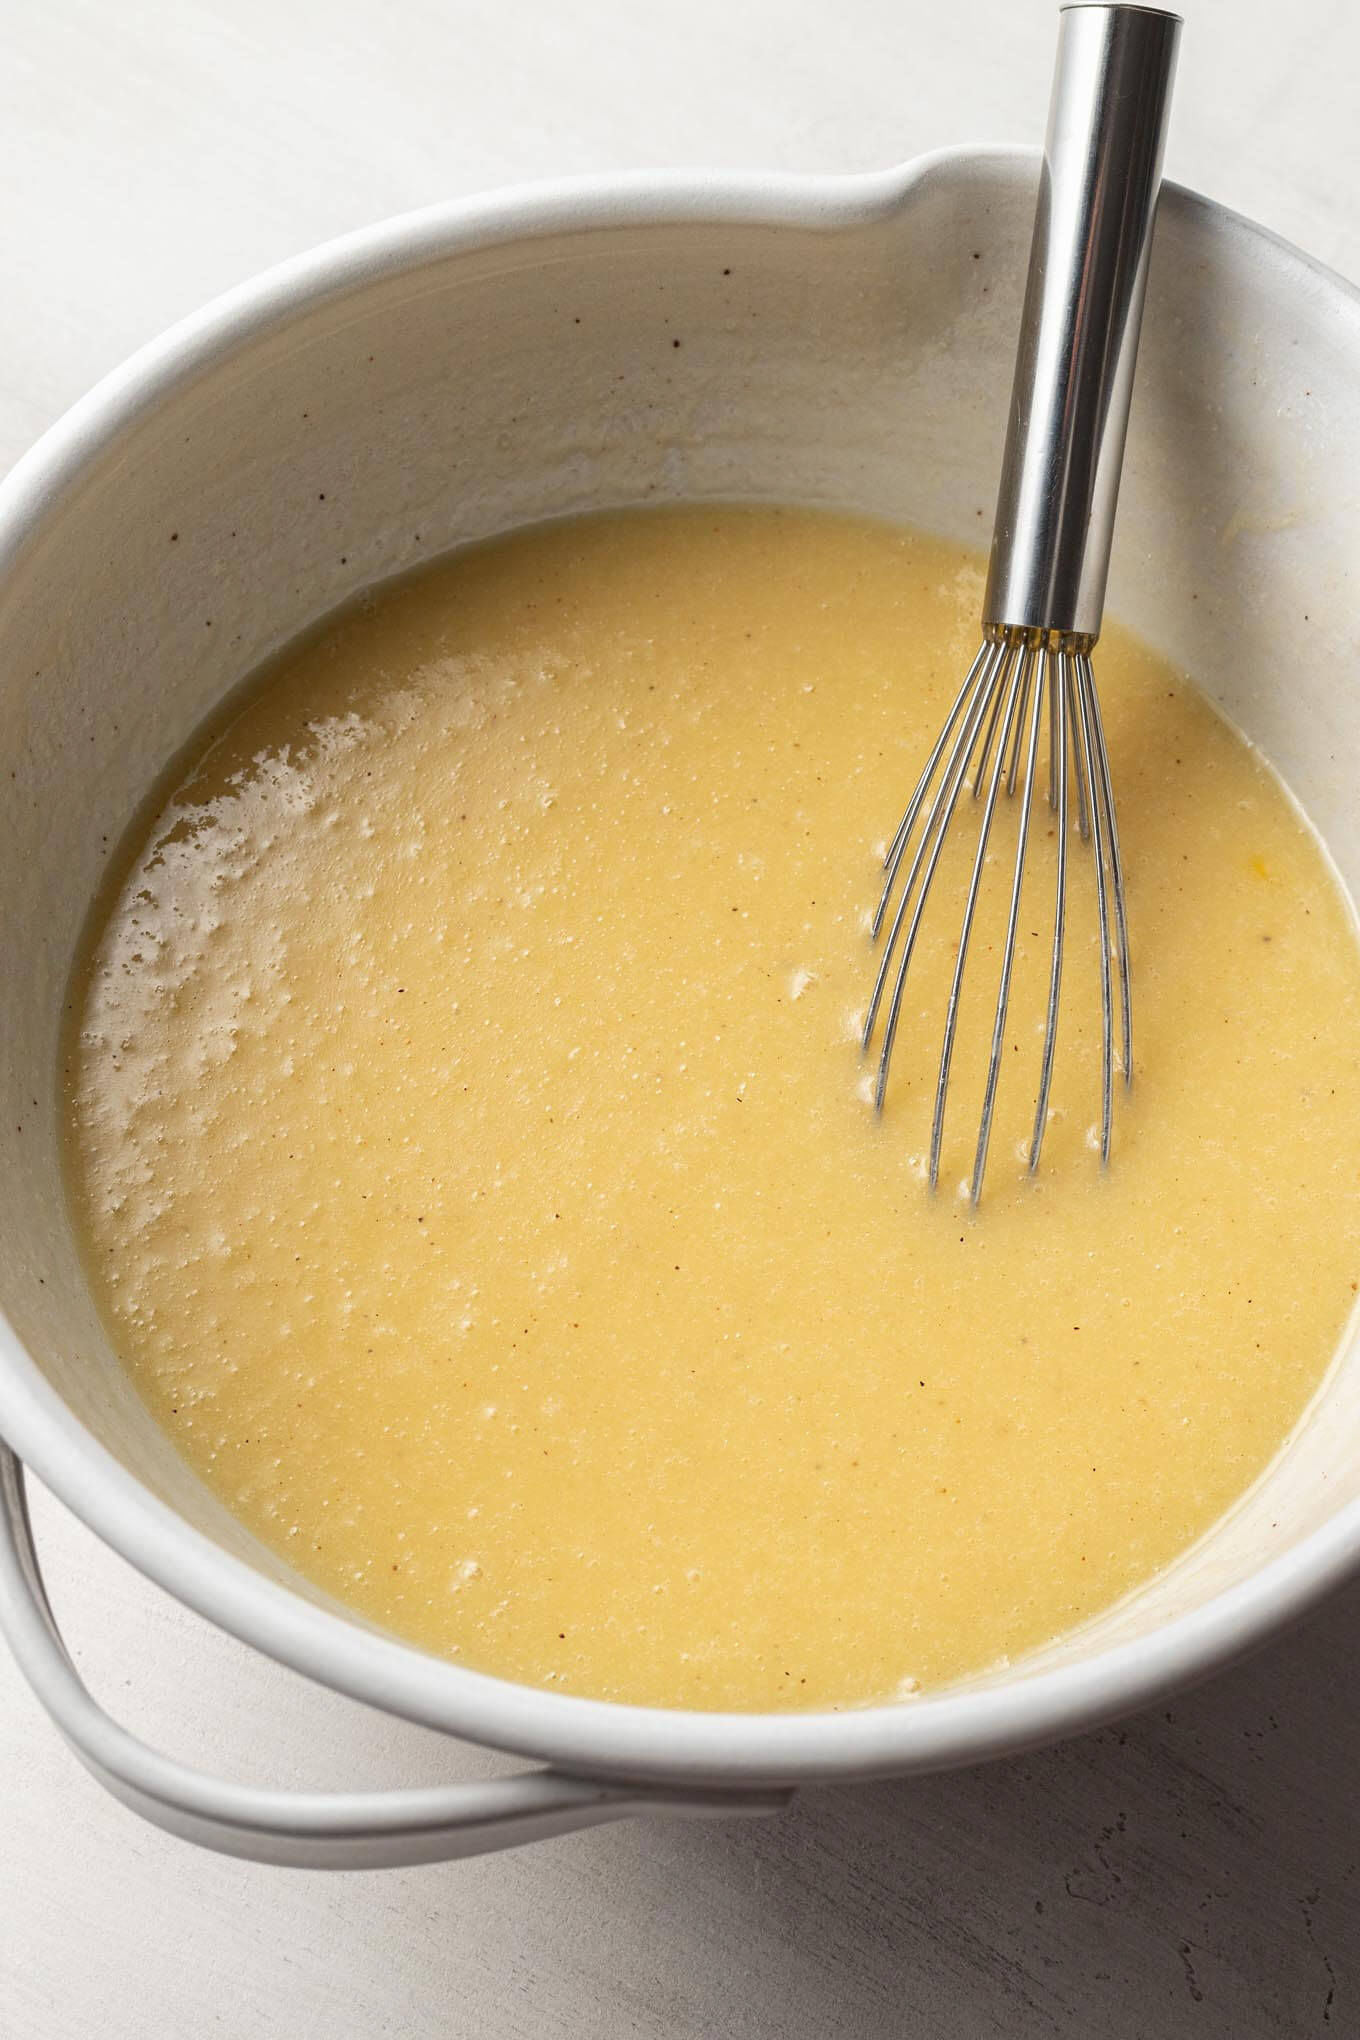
x=470, y=1137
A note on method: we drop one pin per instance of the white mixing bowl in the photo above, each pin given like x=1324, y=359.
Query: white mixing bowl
x=450, y=374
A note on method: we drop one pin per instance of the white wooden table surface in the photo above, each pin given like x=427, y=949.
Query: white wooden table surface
x=1194, y=1873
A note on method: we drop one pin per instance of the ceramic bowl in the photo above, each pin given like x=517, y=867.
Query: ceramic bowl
x=463, y=370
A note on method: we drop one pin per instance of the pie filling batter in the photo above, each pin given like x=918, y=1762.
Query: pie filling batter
x=477, y=1169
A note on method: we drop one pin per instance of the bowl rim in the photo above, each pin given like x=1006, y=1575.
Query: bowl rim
x=607, y=1739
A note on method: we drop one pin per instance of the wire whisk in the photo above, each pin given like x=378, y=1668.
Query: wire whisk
x=1032, y=685
x=1018, y=682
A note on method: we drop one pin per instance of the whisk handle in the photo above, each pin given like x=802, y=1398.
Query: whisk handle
x=1083, y=309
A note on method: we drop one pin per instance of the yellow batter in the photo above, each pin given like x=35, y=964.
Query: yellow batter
x=471, y=1142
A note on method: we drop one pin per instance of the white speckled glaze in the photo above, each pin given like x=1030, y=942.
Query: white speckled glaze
x=458, y=371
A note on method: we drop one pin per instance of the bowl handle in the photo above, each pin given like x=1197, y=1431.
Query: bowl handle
x=315, y=1830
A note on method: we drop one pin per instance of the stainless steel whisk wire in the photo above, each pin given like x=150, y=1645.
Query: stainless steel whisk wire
x=1050, y=559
